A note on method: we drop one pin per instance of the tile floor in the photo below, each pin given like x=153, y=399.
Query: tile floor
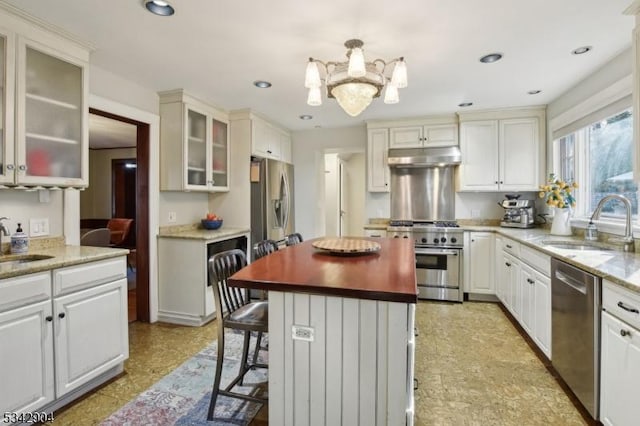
x=473, y=367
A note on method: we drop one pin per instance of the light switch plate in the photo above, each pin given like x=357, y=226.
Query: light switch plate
x=38, y=227
x=172, y=217
x=299, y=332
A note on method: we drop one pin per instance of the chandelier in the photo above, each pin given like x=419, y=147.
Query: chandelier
x=354, y=83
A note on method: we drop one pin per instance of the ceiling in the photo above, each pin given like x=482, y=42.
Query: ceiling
x=216, y=49
x=107, y=133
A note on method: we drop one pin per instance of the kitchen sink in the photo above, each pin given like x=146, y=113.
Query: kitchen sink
x=575, y=245
x=23, y=258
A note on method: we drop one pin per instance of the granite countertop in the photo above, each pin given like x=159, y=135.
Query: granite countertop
x=61, y=256
x=203, y=234
x=377, y=223
x=614, y=265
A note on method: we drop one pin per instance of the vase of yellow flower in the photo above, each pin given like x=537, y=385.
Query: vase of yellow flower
x=558, y=195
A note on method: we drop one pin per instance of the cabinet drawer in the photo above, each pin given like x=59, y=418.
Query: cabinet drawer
x=536, y=259
x=74, y=278
x=375, y=233
x=23, y=290
x=511, y=246
x=621, y=303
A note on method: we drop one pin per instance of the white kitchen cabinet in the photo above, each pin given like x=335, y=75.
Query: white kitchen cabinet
x=620, y=356
x=527, y=297
x=377, y=167
x=26, y=343
x=433, y=135
x=269, y=141
x=504, y=153
x=194, y=144
x=184, y=293
x=511, y=276
x=481, y=263
x=285, y=147
x=375, y=233
x=45, y=95
x=498, y=270
x=62, y=332
x=542, y=313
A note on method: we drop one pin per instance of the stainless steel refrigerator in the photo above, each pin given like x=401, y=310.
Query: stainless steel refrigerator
x=271, y=199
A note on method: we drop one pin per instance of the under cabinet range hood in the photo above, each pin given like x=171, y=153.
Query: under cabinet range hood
x=424, y=157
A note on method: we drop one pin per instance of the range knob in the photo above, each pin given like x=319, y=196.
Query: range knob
x=424, y=240
x=436, y=241
x=454, y=240
x=443, y=240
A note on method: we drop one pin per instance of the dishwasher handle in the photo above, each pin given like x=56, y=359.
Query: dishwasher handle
x=571, y=282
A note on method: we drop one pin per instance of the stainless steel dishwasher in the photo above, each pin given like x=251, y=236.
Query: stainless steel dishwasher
x=575, y=331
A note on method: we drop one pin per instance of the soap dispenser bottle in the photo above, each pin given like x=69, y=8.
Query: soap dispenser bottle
x=19, y=241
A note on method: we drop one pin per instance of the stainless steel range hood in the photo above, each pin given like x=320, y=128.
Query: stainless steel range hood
x=424, y=157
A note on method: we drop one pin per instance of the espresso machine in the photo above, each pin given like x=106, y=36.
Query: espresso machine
x=518, y=213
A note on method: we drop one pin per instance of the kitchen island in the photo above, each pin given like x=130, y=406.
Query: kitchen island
x=341, y=333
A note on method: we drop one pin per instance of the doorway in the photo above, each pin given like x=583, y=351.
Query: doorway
x=127, y=174
x=344, y=193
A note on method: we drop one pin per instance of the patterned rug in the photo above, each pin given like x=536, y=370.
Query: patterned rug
x=182, y=397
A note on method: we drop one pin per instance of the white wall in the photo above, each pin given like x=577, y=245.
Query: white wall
x=355, y=167
x=308, y=149
x=331, y=182
x=95, y=201
x=20, y=206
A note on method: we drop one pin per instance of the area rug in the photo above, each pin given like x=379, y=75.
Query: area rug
x=182, y=397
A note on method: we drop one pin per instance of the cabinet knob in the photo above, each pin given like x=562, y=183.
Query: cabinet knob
x=496, y=182
x=501, y=182
x=508, y=264
x=49, y=318
x=61, y=315
x=530, y=281
x=415, y=384
x=22, y=167
x=10, y=167
x=625, y=333
x=386, y=184
x=268, y=152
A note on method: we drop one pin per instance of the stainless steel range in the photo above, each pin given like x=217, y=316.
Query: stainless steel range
x=438, y=246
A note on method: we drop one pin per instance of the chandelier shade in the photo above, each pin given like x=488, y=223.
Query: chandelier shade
x=354, y=83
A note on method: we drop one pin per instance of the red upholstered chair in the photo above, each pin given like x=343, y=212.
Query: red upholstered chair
x=119, y=228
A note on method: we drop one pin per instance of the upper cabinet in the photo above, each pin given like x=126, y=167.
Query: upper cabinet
x=44, y=111
x=194, y=144
x=377, y=167
x=502, y=150
x=269, y=141
x=423, y=136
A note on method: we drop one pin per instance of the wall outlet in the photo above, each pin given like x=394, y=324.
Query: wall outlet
x=38, y=227
x=173, y=217
x=300, y=332
x=475, y=213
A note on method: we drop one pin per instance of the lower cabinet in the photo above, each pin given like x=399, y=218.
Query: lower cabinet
x=481, y=261
x=51, y=345
x=620, y=357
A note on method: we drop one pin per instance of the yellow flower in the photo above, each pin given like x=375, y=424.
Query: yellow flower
x=541, y=194
x=575, y=184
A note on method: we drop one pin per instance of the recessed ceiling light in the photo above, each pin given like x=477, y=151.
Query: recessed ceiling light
x=262, y=84
x=581, y=50
x=306, y=117
x=491, y=57
x=534, y=92
x=465, y=104
x=159, y=7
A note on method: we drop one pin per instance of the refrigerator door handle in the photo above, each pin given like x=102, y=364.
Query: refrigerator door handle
x=285, y=199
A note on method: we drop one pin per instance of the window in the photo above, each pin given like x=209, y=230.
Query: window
x=600, y=158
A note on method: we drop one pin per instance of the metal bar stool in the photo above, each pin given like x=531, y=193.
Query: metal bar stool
x=234, y=310
x=293, y=239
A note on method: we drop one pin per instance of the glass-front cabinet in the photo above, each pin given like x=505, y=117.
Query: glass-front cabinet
x=194, y=144
x=43, y=108
x=51, y=118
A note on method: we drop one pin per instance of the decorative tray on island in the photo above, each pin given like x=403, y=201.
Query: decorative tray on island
x=346, y=246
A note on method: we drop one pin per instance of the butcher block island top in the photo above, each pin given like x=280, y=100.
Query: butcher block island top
x=388, y=274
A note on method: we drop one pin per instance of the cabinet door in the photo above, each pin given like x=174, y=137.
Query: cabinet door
x=479, y=148
x=7, y=99
x=542, y=313
x=440, y=135
x=377, y=167
x=91, y=334
x=498, y=270
x=219, y=179
x=285, y=148
x=195, y=148
x=513, y=283
x=26, y=352
x=619, y=372
x=51, y=117
x=527, y=297
x=506, y=275
x=519, y=154
x=481, y=278
x=405, y=137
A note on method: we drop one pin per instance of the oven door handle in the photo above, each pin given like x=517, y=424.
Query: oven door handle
x=445, y=252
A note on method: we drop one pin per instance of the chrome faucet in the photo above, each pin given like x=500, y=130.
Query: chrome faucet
x=627, y=240
x=3, y=230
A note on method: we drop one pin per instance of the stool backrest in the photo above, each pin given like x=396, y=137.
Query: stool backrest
x=221, y=267
x=100, y=237
x=293, y=239
x=263, y=248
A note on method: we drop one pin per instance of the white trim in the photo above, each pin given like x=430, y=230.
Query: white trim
x=153, y=120
x=608, y=95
